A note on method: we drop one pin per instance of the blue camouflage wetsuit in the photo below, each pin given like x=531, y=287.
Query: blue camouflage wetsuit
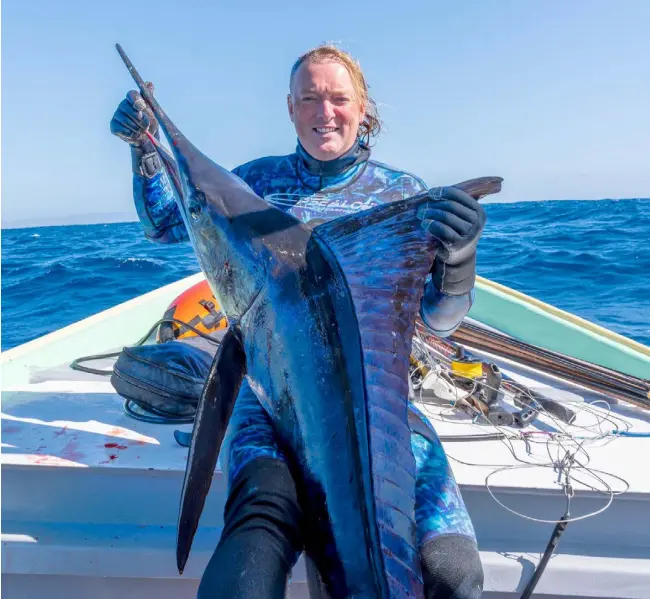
x=313, y=189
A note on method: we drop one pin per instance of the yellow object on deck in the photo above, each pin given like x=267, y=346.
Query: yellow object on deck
x=468, y=369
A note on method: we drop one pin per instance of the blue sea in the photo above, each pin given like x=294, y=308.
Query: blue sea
x=591, y=258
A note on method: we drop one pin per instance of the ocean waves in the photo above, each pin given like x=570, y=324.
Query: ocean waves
x=591, y=258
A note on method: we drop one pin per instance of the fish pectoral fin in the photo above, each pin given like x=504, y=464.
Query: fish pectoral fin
x=212, y=415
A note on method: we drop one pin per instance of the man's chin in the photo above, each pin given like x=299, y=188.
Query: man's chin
x=327, y=151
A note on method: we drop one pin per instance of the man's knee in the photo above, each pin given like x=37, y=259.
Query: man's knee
x=263, y=499
x=451, y=568
x=261, y=540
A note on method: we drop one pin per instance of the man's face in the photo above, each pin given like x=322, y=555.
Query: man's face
x=324, y=109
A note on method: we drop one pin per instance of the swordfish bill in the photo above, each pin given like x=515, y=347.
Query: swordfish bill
x=320, y=327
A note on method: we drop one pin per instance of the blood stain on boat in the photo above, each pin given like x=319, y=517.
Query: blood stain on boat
x=6, y=430
x=115, y=446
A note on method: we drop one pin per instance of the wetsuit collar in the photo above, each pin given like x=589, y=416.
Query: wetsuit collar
x=357, y=154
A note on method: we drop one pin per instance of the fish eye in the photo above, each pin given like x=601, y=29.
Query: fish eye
x=194, y=208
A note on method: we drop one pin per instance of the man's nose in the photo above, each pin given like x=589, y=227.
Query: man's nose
x=326, y=110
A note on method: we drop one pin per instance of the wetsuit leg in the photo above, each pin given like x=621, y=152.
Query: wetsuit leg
x=451, y=566
x=261, y=540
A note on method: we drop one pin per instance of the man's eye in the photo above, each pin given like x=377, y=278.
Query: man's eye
x=307, y=99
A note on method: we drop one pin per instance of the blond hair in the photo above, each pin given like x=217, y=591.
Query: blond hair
x=371, y=125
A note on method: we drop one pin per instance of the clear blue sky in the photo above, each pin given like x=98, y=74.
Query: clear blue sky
x=553, y=95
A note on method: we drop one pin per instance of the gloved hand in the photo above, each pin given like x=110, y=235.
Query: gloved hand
x=130, y=122
x=456, y=220
x=133, y=118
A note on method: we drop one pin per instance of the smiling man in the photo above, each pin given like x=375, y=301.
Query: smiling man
x=323, y=109
x=330, y=174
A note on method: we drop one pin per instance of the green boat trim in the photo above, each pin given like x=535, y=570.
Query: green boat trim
x=535, y=322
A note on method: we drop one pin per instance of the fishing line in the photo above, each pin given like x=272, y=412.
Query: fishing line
x=609, y=490
x=562, y=440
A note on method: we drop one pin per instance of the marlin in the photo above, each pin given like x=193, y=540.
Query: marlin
x=320, y=323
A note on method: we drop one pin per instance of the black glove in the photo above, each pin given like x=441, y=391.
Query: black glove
x=456, y=220
x=132, y=119
x=130, y=122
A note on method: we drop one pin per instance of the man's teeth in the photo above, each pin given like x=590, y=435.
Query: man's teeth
x=325, y=129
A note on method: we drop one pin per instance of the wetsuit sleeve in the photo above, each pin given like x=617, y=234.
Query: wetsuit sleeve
x=443, y=313
x=153, y=196
x=155, y=203
x=157, y=210
x=448, y=295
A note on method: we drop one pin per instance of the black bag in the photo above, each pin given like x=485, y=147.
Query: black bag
x=160, y=382
x=164, y=379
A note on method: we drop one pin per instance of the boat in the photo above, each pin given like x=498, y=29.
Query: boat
x=90, y=495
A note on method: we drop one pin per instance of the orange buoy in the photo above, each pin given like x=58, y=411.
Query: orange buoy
x=197, y=307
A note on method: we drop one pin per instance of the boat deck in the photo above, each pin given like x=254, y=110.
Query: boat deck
x=67, y=418
x=90, y=489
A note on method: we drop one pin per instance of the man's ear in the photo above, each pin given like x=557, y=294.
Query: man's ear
x=290, y=106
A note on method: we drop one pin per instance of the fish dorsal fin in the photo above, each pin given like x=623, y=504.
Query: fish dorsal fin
x=384, y=255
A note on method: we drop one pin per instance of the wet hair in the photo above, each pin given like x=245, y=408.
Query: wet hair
x=371, y=125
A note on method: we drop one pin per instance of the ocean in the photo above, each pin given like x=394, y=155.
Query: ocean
x=591, y=258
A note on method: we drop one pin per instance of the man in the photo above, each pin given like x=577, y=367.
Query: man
x=329, y=174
